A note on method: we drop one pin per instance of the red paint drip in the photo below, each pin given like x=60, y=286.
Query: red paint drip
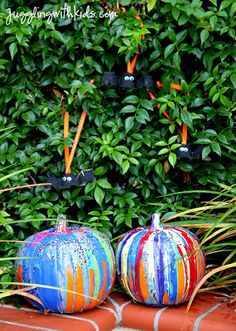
x=192, y=261
x=137, y=266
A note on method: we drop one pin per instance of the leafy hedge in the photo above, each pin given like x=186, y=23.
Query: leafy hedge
x=127, y=141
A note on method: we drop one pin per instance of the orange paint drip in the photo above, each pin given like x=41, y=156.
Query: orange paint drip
x=181, y=282
x=19, y=275
x=143, y=283
x=70, y=287
x=79, y=298
x=165, y=299
x=104, y=285
x=92, y=303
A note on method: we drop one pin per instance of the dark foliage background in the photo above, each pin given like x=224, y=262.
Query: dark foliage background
x=127, y=141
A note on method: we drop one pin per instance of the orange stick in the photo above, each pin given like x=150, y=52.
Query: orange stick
x=153, y=98
x=131, y=65
x=23, y=186
x=76, y=140
x=172, y=85
x=69, y=156
x=176, y=86
x=66, y=134
x=184, y=133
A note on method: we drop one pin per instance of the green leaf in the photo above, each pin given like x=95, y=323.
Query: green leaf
x=215, y=97
x=198, y=102
x=213, y=22
x=57, y=36
x=175, y=13
x=214, y=2
x=186, y=117
x=159, y=169
x=206, y=151
x=133, y=160
x=19, y=36
x=183, y=19
x=225, y=101
x=104, y=183
x=204, y=36
x=172, y=140
x=233, y=79
x=204, y=141
x=129, y=123
x=125, y=166
x=161, y=143
x=118, y=157
x=128, y=109
x=143, y=114
x=168, y=50
x=176, y=59
x=226, y=3
x=131, y=99
x=163, y=151
x=125, y=2
x=13, y=49
x=172, y=158
x=216, y=147
x=151, y=4
x=99, y=195
x=222, y=138
x=66, y=195
x=209, y=81
x=146, y=104
x=212, y=90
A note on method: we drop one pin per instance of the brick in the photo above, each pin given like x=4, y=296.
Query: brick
x=207, y=313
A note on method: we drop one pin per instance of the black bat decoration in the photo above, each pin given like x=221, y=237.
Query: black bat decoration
x=127, y=80
x=67, y=181
x=185, y=152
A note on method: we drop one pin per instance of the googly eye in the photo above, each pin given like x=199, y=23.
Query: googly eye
x=126, y=78
x=69, y=179
x=131, y=78
x=64, y=179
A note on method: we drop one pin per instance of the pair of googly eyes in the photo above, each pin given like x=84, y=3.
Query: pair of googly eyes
x=130, y=78
x=183, y=149
x=66, y=179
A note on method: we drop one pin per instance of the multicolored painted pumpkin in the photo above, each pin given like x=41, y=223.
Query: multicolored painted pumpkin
x=77, y=259
x=159, y=265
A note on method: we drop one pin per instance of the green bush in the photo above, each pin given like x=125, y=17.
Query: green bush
x=127, y=141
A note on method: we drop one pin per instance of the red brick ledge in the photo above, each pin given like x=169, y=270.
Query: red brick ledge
x=207, y=313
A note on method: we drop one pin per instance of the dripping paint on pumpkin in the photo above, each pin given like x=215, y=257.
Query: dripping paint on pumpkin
x=160, y=265
x=79, y=299
x=78, y=260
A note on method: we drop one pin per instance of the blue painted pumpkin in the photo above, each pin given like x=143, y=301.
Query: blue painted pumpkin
x=76, y=259
x=159, y=265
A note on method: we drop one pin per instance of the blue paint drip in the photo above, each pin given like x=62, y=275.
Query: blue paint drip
x=121, y=245
x=56, y=261
x=160, y=280
x=172, y=271
x=133, y=253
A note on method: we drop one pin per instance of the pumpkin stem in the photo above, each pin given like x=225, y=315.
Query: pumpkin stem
x=61, y=224
x=156, y=221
